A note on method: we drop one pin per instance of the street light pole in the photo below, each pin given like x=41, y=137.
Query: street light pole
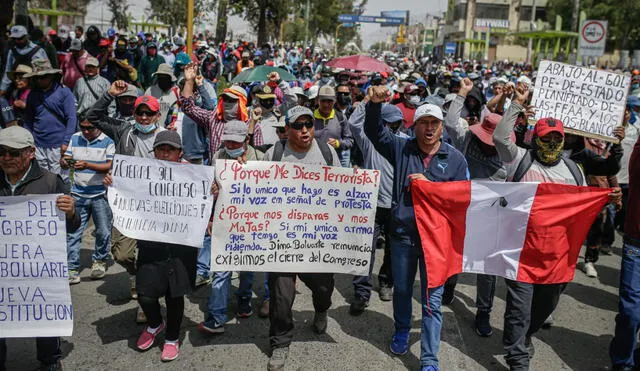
x=189, y=26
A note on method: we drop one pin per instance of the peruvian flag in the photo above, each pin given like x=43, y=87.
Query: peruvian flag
x=528, y=232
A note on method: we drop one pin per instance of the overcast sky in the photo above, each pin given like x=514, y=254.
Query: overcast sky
x=371, y=33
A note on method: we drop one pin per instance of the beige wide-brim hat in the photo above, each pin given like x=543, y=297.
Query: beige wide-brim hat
x=20, y=70
x=42, y=67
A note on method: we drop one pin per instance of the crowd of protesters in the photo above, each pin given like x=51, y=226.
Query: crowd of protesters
x=70, y=103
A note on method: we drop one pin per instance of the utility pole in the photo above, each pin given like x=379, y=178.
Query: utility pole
x=575, y=14
x=532, y=27
x=189, y=26
x=306, y=24
x=335, y=49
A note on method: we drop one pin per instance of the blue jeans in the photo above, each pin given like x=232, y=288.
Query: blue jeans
x=98, y=209
x=249, y=278
x=625, y=340
x=406, y=255
x=203, y=267
x=219, y=298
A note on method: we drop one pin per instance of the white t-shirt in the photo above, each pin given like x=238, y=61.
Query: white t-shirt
x=632, y=132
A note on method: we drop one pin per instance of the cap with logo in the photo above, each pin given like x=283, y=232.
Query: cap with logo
x=18, y=32
x=148, y=101
x=266, y=93
x=428, y=110
x=548, y=125
x=76, y=45
x=235, y=131
x=168, y=137
x=16, y=137
x=327, y=93
x=296, y=112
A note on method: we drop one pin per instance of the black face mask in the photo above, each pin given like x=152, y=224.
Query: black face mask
x=344, y=99
x=164, y=84
x=267, y=103
x=125, y=109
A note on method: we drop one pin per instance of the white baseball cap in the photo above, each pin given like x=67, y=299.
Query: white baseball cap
x=428, y=110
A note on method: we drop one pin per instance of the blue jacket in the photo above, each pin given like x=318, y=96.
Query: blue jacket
x=54, y=125
x=406, y=158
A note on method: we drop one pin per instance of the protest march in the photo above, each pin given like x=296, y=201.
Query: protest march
x=178, y=173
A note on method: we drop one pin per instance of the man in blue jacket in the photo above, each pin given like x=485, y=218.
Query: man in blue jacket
x=424, y=157
x=50, y=115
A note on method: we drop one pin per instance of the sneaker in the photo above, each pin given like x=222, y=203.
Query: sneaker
x=386, y=293
x=264, y=309
x=548, y=322
x=52, y=367
x=98, y=269
x=530, y=348
x=278, y=359
x=399, y=343
x=74, y=277
x=170, y=351
x=203, y=280
x=590, y=270
x=448, y=295
x=483, y=326
x=244, y=308
x=140, y=316
x=146, y=339
x=133, y=291
x=320, y=322
x=430, y=368
x=605, y=249
x=358, y=306
x=210, y=327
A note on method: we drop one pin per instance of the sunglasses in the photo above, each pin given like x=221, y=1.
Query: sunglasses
x=87, y=128
x=299, y=124
x=145, y=113
x=12, y=152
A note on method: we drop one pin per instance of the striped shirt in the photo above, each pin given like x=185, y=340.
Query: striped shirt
x=84, y=98
x=88, y=183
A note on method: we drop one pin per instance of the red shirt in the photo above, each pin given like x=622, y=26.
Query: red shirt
x=407, y=114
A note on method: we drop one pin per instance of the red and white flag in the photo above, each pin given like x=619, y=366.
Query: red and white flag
x=528, y=232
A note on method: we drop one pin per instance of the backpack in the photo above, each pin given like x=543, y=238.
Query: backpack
x=278, y=150
x=527, y=161
x=23, y=58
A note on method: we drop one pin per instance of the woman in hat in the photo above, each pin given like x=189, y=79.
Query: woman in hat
x=20, y=93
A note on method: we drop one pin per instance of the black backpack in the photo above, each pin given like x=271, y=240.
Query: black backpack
x=527, y=161
x=278, y=150
x=23, y=58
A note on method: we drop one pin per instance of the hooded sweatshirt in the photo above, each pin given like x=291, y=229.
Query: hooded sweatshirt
x=93, y=47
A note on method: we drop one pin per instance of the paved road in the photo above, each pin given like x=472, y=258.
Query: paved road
x=105, y=332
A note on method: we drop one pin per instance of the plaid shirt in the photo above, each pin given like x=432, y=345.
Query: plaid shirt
x=208, y=120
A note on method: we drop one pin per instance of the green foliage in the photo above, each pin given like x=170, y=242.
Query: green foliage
x=118, y=10
x=174, y=12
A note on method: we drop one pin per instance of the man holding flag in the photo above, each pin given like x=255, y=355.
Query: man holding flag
x=424, y=157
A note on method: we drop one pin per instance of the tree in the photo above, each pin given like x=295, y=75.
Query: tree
x=174, y=12
x=118, y=10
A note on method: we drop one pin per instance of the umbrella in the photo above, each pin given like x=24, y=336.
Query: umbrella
x=360, y=63
x=260, y=73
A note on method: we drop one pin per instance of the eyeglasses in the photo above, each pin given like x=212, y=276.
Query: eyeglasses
x=145, y=113
x=12, y=152
x=299, y=124
x=87, y=128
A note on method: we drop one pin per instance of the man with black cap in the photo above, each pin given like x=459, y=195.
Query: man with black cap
x=300, y=147
x=21, y=175
x=149, y=65
x=73, y=66
x=164, y=90
x=22, y=52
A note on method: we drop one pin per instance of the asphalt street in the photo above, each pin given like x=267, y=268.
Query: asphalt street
x=105, y=332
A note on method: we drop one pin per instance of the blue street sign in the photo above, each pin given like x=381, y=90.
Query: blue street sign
x=353, y=18
x=450, y=48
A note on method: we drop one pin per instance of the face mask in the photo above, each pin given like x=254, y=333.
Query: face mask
x=344, y=99
x=267, y=104
x=164, y=84
x=125, y=109
x=414, y=99
x=234, y=153
x=145, y=129
x=230, y=110
x=549, y=152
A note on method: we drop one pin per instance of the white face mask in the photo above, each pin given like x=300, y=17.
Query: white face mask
x=414, y=99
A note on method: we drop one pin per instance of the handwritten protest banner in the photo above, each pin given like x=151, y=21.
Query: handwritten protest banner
x=285, y=217
x=34, y=281
x=589, y=102
x=161, y=201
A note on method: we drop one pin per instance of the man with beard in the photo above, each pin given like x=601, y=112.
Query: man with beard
x=23, y=52
x=164, y=90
